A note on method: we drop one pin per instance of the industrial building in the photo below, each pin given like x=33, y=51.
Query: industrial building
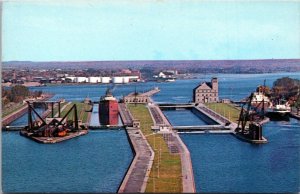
x=207, y=92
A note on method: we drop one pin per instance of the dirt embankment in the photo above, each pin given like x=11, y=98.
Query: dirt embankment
x=18, y=113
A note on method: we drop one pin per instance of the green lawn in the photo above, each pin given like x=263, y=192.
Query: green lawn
x=227, y=110
x=55, y=110
x=81, y=113
x=165, y=175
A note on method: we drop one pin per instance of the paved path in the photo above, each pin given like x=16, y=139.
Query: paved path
x=137, y=175
x=157, y=115
x=125, y=114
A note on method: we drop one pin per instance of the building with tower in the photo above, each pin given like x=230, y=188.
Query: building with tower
x=207, y=92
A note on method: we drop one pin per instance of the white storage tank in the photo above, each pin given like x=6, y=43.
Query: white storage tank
x=81, y=79
x=71, y=78
x=117, y=80
x=105, y=80
x=133, y=78
x=125, y=80
x=94, y=79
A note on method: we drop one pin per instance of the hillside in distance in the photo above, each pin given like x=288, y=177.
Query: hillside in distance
x=188, y=66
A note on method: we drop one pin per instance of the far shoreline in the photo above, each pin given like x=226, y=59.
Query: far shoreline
x=189, y=77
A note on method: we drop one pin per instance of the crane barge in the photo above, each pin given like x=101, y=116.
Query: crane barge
x=251, y=132
x=54, y=129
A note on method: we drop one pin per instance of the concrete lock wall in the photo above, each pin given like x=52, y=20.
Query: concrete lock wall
x=203, y=117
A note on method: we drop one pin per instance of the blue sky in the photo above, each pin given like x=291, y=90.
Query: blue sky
x=149, y=30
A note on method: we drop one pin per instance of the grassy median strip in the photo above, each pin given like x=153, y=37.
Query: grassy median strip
x=81, y=113
x=165, y=175
x=55, y=110
x=227, y=110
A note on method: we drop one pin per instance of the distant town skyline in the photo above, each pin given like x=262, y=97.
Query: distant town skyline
x=149, y=30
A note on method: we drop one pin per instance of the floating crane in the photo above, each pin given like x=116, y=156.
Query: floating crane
x=253, y=132
x=45, y=130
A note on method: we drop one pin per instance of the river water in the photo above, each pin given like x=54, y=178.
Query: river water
x=98, y=161
x=224, y=163
x=95, y=162
x=183, y=118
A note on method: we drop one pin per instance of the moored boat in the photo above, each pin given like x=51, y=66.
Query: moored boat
x=279, y=112
x=260, y=101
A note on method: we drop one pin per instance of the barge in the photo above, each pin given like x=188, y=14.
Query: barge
x=52, y=130
x=51, y=140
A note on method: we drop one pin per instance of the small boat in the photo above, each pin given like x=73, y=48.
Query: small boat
x=170, y=80
x=279, y=111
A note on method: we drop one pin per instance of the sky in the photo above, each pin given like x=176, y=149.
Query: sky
x=149, y=30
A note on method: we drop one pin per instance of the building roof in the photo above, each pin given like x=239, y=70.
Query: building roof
x=204, y=85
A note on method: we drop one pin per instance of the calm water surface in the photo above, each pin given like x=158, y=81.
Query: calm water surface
x=95, y=162
x=183, y=118
x=222, y=163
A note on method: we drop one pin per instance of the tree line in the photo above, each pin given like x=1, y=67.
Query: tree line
x=17, y=93
x=285, y=88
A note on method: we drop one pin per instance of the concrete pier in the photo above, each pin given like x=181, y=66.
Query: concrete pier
x=125, y=115
x=188, y=181
x=13, y=128
x=105, y=127
x=136, y=178
x=151, y=92
x=158, y=117
x=199, y=128
x=212, y=114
